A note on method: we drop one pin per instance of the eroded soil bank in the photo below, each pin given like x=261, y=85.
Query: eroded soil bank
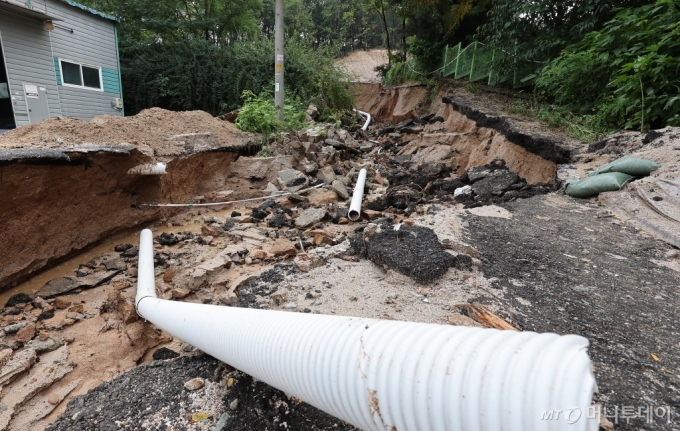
x=65, y=183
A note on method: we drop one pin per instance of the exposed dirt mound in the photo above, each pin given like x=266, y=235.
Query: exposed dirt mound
x=153, y=131
x=360, y=65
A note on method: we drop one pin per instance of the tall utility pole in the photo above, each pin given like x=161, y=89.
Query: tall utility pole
x=278, y=72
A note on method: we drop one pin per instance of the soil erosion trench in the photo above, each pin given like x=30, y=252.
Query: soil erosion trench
x=65, y=183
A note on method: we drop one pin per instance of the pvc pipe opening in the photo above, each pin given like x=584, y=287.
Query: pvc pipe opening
x=358, y=195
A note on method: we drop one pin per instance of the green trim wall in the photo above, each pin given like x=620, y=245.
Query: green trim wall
x=110, y=78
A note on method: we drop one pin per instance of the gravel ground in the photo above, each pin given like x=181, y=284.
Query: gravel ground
x=153, y=397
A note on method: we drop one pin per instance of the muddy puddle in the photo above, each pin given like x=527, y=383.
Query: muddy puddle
x=191, y=221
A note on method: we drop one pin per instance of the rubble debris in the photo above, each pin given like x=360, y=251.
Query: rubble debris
x=62, y=285
x=310, y=217
x=19, y=363
x=194, y=384
x=164, y=354
x=414, y=251
x=52, y=367
x=19, y=298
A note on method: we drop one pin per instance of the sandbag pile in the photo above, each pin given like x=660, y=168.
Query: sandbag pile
x=610, y=177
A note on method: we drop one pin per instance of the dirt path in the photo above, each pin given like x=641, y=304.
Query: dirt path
x=360, y=65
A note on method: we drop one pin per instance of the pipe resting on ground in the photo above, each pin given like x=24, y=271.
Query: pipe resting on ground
x=365, y=115
x=355, y=206
x=381, y=375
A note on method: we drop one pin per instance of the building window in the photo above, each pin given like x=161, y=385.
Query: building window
x=80, y=75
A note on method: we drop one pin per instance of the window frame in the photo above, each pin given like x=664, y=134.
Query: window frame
x=82, y=79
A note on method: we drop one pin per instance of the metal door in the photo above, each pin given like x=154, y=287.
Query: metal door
x=36, y=102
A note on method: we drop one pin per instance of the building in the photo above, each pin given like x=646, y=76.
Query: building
x=57, y=58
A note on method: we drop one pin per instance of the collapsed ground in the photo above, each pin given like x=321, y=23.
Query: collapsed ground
x=509, y=240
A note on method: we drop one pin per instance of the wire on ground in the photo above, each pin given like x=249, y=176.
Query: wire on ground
x=212, y=204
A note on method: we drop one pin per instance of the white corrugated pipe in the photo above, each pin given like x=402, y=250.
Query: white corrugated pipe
x=355, y=206
x=148, y=169
x=381, y=375
x=365, y=115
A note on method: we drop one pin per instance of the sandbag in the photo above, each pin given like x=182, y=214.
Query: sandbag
x=594, y=185
x=628, y=165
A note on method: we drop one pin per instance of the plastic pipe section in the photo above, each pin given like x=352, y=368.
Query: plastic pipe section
x=358, y=195
x=365, y=115
x=148, y=169
x=381, y=375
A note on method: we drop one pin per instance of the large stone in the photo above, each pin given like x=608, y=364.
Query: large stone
x=26, y=333
x=59, y=286
x=310, y=217
x=52, y=367
x=115, y=264
x=259, y=168
x=283, y=247
x=19, y=363
x=61, y=303
x=44, y=346
x=322, y=197
x=340, y=189
x=327, y=175
x=495, y=184
x=292, y=179
x=15, y=327
x=305, y=262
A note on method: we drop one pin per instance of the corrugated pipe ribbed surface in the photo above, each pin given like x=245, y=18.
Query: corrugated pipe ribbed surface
x=389, y=375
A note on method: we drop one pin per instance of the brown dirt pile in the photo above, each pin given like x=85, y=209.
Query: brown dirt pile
x=154, y=128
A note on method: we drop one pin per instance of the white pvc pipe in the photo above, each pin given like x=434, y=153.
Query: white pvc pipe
x=148, y=169
x=367, y=116
x=358, y=195
x=382, y=375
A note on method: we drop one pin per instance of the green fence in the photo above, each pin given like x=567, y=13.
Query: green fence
x=478, y=62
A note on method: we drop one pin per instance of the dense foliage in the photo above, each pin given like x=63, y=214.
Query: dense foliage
x=184, y=55
x=627, y=73
x=604, y=64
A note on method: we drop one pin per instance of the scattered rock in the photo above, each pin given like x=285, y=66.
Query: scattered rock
x=164, y=354
x=115, y=264
x=292, y=180
x=318, y=197
x=122, y=247
x=19, y=363
x=326, y=174
x=53, y=399
x=19, y=298
x=25, y=334
x=340, y=189
x=167, y=239
x=44, y=346
x=310, y=217
x=412, y=250
x=61, y=303
x=305, y=262
x=283, y=247
x=194, y=384
x=180, y=293
x=11, y=329
x=130, y=252
x=127, y=312
x=59, y=286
